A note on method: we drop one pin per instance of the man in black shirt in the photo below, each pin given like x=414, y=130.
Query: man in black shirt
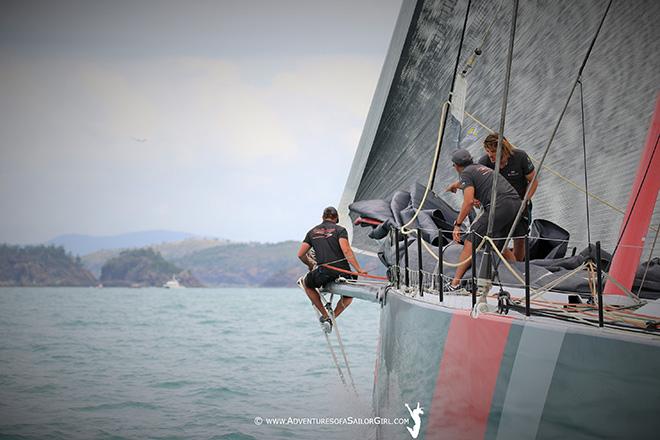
x=476, y=181
x=518, y=170
x=330, y=244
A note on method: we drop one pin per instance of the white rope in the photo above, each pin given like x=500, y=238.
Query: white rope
x=540, y=291
x=648, y=263
x=436, y=156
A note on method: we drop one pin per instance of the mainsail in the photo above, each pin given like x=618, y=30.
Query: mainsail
x=619, y=89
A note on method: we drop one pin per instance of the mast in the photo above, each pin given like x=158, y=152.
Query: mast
x=638, y=215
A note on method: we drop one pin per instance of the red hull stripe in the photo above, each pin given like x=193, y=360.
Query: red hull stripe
x=467, y=376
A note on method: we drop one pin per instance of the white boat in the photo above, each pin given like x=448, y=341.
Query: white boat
x=173, y=284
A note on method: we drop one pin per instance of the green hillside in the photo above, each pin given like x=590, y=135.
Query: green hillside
x=41, y=266
x=244, y=264
x=171, y=250
x=143, y=268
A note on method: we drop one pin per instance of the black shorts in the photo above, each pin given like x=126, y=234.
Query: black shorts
x=321, y=276
x=505, y=214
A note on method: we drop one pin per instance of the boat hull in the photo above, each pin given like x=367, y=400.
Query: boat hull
x=498, y=377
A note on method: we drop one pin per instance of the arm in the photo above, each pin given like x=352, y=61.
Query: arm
x=302, y=255
x=453, y=187
x=468, y=201
x=348, y=253
x=534, y=185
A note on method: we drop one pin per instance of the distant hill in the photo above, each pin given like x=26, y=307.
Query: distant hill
x=244, y=264
x=255, y=264
x=79, y=244
x=41, y=266
x=171, y=250
x=143, y=268
x=216, y=262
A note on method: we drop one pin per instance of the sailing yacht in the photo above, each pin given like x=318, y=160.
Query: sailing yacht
x=549, y=348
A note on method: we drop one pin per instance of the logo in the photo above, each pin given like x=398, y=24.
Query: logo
x=416, y=416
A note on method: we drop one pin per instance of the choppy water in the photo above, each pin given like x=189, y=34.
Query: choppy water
x=194, y=363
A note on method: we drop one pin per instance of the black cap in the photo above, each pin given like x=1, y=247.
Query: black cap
x=461, y=157
x=330, y=212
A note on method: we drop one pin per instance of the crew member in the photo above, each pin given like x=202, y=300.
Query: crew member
x=518, y=170
x=330, y=244
x=476, y=181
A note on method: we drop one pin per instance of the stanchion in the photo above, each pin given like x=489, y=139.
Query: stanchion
x=406, y=280
x=419, y=261
x=527, y=312
x=599, y=284
x=474, y=269
x=441, y=271
x=397, y=271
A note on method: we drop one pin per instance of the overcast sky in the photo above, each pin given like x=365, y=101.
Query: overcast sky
x=235, y=119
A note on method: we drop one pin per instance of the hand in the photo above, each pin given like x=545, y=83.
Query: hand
x=476, y=203
x=361, y=272
x=456, y=234
x=451, y=188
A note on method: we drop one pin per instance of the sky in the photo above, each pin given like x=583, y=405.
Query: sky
x=231, y=119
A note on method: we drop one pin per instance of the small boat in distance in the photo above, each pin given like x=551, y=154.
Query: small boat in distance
x=173, y=284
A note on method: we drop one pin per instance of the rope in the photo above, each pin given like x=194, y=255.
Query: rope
x=366, y=275
x=441, y=128
x=621, y=286
x=557, y=174
x=648, y=263
x=436, y=156
x=543, y=289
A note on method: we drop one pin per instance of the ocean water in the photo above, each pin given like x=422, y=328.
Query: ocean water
x=193, y=364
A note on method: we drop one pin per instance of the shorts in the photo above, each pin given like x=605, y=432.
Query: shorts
x=505, y=214
x=322, y=276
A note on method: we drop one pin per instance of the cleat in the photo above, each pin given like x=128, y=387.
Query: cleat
x=326, y=324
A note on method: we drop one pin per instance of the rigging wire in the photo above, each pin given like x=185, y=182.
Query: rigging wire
x=584, y=154
x=500, y=138
x=451, y=93
x=472, y=59
x=559, y=175
x=556, y=128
